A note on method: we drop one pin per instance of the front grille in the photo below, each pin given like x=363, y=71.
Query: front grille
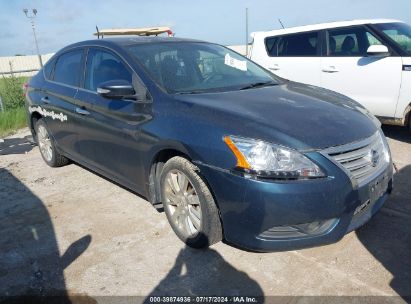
x=361, y=160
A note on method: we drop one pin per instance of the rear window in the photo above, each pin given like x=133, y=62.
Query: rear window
x=271, y=45
x=343, y=42
x=68, y=68
x=48, y=68
x=294, y=45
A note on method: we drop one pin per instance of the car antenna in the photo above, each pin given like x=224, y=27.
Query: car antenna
x=279, y=20
x=98, y=33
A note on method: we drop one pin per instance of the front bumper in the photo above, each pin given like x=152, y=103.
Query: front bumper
x=255, y=213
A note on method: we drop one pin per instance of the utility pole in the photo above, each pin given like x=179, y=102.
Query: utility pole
x=246, y=31
x=31, y=17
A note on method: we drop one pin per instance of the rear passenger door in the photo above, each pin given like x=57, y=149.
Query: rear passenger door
x=373, y=81
x=109, y=133
x=63, y=76
x=295, y=56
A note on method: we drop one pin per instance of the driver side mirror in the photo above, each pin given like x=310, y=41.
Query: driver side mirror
x=378, y=50
x=116, y=89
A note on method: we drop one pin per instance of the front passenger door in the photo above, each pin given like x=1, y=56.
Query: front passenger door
x=109, y=135
x=373, y=81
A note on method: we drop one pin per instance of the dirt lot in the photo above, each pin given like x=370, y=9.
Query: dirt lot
x=69, y=231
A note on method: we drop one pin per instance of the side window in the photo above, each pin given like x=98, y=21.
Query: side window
x=270, y=45
x=296, y=45
x=48, y=68
x=350, y=42
x=68, y=68
x=103, y=66
x=372, y=40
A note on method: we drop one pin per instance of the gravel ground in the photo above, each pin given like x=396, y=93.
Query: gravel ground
x=68, y=231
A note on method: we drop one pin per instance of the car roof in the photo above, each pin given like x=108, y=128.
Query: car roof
x=129, y=40
x=321, y=26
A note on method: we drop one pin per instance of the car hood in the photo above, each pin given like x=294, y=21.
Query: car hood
x=293, y=114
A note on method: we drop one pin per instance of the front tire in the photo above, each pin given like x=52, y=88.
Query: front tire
x=47, y=148
x=189, y=204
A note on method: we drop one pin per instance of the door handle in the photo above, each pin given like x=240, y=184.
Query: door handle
x=82, y=111
x=330, y=69
x=45, y=99
x=275, y=67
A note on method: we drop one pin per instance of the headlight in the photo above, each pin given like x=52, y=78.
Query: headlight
x=387, y=152
x=270, y=160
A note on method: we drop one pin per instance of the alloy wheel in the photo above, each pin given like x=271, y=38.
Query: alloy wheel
x=44, y=142
x=182, y=202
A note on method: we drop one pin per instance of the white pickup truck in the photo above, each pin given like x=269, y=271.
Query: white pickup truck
x=367, y=60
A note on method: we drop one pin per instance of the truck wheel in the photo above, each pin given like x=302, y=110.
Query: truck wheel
x=47, y=148
x=189, y=205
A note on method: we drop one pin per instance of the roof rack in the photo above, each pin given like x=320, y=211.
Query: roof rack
x=144, y=31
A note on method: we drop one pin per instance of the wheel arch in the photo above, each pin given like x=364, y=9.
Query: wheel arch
x=156, y=166
x=406, y=117
x=34, y=117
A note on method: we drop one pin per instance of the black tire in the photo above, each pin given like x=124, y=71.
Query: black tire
x=210, y=231
x=56, y=160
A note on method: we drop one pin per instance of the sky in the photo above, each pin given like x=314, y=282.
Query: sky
x=59, y=23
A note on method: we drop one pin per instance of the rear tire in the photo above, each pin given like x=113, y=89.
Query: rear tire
x=189, y=204
x=47, y=147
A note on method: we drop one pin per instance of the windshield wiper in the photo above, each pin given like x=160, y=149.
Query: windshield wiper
x=249, y=86
x=259, y=84
x=187, y=92
x=191, y=92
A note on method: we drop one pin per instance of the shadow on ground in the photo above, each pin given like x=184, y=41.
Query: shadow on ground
x=388, y=235
x=205, y=272
x=30, y=261
x=398, y=133
x=16, y=145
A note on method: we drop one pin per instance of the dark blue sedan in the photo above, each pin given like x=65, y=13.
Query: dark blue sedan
x=228, y=149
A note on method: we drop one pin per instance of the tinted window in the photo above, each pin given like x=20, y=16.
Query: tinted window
x=270, y=44
x=187, y=67
x=68, y=68
x=304, y=44
x=103, y=66
x=400, y=33
x=48, y=68
x=351, y=42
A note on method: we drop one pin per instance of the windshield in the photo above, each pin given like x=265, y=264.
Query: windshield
x=399, y=32
x=194, y=67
